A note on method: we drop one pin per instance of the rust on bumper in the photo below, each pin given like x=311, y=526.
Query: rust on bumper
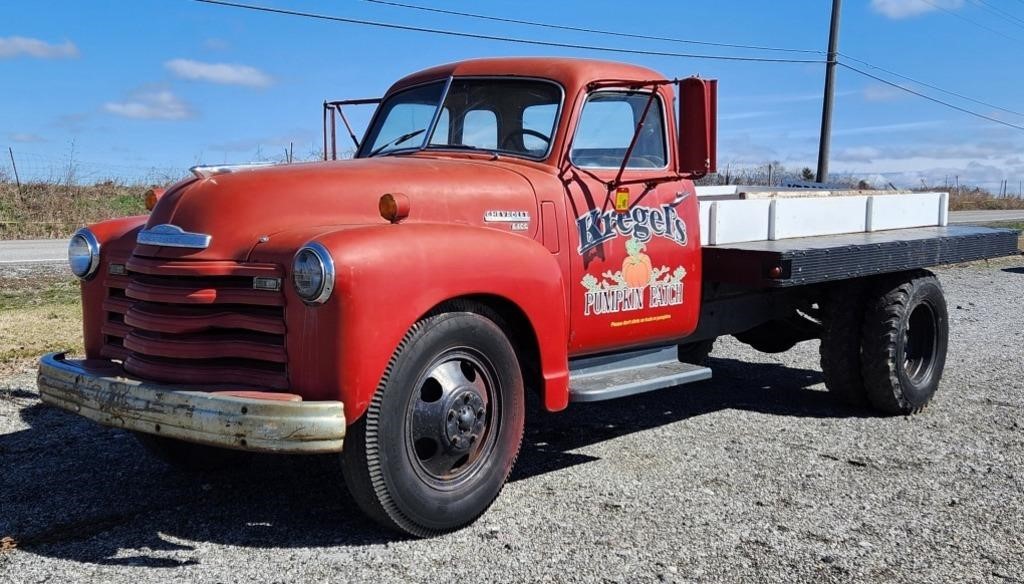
x=101, y=391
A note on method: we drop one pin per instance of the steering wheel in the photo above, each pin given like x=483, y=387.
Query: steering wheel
x=524, y=132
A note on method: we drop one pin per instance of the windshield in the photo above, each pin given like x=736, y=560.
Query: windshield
x=511, y=116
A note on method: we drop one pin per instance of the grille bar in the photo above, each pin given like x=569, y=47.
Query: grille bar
x=207, y=345
x=166, y=318
x=196, y=323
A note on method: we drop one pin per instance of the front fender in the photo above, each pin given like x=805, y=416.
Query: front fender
x=117, y=239
x=389, y=276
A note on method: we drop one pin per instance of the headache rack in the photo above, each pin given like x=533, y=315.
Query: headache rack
x=332, y=111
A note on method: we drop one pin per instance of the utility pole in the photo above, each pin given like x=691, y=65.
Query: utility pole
x=830, y=79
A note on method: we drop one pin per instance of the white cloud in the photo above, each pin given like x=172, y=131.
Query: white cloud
x=216, y=44
x=857, y=154
x=223, y=73
x=151, y=105
x=25, y=137
x=16, y=46
x=743, y=115
x=878, y=92
x=886, y=128
x=899, y=9
x=983, y=163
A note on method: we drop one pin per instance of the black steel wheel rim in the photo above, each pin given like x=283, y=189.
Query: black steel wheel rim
x=920, y=341
x=453, y=418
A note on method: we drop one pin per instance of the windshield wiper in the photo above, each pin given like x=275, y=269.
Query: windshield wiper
x=453, y=146
x=403, y=138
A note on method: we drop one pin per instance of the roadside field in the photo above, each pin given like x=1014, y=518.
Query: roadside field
x=40, y=311
x=754, y=476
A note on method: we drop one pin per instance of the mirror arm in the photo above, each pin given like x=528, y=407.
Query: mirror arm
x=632, y=143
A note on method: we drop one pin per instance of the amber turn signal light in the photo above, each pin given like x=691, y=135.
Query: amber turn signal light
x=152, y=196
x=394, y=207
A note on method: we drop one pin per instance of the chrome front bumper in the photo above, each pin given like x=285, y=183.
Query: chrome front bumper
x=101, y=391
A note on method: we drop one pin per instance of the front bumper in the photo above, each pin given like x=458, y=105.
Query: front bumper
x=101, y=391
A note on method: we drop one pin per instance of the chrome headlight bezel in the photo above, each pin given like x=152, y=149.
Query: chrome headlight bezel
x=320, y=293
x=85, y=269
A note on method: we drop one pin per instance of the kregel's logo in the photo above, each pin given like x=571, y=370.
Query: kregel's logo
x=641, y=223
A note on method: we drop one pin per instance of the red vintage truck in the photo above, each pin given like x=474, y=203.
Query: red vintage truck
x=505, y=226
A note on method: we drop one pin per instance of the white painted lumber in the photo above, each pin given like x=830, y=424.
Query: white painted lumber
x=904, y=211
x=818, y=216
x=739, y=221
x=716, y=190
x=705, y=221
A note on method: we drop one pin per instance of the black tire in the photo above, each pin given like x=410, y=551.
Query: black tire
x=904, y=343
x=190, y=457
x=443, y=430
x=696, y=353
x=842, y=320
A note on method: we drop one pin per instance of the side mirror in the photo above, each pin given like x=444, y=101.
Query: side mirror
x=698, y=131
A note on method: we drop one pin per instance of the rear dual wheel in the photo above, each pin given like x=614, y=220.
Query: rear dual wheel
x=884, y=344
x=443, y=431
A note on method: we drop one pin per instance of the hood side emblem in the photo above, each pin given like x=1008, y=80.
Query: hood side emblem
x=168, y=235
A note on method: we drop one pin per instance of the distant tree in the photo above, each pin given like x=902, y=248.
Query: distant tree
x=807, y=174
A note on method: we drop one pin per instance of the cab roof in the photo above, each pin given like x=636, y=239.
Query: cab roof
x=571, y=73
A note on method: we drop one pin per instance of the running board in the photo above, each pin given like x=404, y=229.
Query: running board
x=612, y=376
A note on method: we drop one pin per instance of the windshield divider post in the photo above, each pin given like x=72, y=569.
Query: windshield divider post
x=437, y=114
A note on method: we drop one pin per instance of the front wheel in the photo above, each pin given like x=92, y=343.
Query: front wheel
x=443, y=430
x=904, y=342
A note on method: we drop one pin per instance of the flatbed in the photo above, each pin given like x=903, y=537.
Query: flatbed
x=812, y=260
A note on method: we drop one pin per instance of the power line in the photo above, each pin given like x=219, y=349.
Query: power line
x=1000, y=12
x=446, y=32
x=589, y=30
x=930, y=86
x=930, y=98
x=678, y=40
x=969, y=20
x=522, y=41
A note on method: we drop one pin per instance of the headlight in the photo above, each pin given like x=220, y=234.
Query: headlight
x=83, y=253
x=313, y=273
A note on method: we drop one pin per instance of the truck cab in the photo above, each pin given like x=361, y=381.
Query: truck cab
x=504, y=226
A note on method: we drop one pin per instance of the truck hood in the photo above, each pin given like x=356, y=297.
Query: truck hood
x=239, y=209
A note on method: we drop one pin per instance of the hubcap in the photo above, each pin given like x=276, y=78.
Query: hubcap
x=919, y=343
x=450, y=418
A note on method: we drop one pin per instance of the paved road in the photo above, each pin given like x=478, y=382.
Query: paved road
x=55, y=250
x=23, y=251
x=985, y=216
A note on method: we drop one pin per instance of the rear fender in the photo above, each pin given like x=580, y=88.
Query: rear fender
x=390, y=276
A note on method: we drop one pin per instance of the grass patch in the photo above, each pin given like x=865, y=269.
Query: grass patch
x=38, y=291
x=51, y=209
x=38, y=314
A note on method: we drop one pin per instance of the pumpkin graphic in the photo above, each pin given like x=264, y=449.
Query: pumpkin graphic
x=636, y=268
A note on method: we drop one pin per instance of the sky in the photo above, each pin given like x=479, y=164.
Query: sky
x=144, y=89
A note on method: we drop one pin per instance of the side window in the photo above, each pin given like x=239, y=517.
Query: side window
x=539, y=119
x=606, y=128
x=480, y=129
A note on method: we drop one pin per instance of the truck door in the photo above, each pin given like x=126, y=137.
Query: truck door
x=635, y=258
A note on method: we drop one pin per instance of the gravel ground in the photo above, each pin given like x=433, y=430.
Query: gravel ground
x=755, y=476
